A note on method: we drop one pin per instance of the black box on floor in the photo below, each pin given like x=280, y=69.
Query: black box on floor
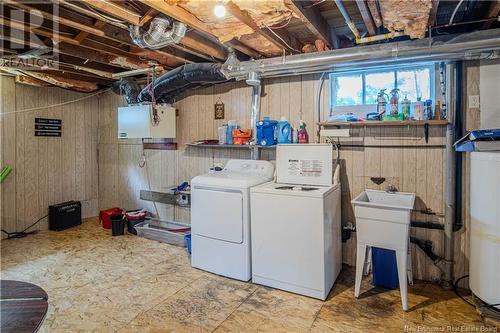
x=65, y=215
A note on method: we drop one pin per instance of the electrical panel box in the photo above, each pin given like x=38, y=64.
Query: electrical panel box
x=138, y=121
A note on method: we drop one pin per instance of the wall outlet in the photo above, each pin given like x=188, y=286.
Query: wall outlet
x=474, y=102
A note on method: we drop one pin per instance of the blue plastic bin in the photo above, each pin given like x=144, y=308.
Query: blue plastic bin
x=385, y=269
x=187, y=238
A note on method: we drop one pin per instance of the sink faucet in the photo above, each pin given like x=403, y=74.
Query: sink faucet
x=391, y=189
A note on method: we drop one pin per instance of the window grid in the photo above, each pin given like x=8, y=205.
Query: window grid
x=395, y=83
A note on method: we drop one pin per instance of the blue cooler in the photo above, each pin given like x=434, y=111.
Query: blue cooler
x=266, y=132
x=385, y=269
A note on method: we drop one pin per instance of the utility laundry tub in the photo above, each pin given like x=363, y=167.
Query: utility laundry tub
x=383, y=221
x=163, y=231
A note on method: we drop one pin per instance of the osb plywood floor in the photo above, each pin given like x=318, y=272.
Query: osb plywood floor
x=101, y=283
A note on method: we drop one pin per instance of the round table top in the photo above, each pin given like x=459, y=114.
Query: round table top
x=23, y=306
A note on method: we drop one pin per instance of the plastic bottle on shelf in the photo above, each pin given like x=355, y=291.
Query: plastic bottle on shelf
x=295, y=135
x=284, y=131
x=419, y=109
x=405, y=108
x=428, y=110
x=222, y=134
x=394, y=101
x=303, y=137
x=231, y=125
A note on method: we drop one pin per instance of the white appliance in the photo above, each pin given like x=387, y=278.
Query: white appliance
x=485, y=226
x=136, y=122
x=296, y=230
x=220, y=217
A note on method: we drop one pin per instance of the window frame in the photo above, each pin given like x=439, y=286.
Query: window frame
x=364, y=108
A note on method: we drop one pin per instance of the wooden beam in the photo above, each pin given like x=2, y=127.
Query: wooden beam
x=377, y=18
x=244, y=17
x=433, y=14
x=367, y=17
x=57, y=81
x=237, y=45
x=54, y=18
x=191, y=40
x=493, y=11
x=91, y=49
x=115, y=10
x=150, y=14
x=180, y=14
x=312, y=19
x=27, y=80
x=84, y=34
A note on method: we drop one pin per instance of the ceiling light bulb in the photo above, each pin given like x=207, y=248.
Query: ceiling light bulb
x=220, y=10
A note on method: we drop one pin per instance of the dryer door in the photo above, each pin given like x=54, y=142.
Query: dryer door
x=217, y=214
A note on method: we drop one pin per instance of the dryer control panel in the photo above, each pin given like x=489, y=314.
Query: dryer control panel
x=255, y=167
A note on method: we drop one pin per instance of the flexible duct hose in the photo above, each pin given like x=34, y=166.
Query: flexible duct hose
x=159, y=34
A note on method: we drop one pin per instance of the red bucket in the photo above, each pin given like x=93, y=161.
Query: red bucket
x=105, y=216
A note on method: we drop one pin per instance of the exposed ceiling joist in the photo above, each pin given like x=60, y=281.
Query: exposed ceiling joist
x=237, y=45
x=117, y=11
x=367, y=17
x=313, y=20
x=178, y=13
x=54, y=18
x=150, y=14
x=493, y=11
x=433, y=13
x=181, y=15
x=119, y=57
x=28, y=80
x=191, y=40
x=84, y=34
x=166, y=59
x=244, y=17
x=374, y=10
x=82, y=86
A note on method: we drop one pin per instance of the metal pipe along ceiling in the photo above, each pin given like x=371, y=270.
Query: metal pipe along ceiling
x=449, y=47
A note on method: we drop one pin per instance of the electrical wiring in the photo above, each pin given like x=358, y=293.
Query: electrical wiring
x=287, y=45
x=105, y=17
x=56, y=105
x=282, y=26
x=21, y=234
x=143, y=163
x=485, y=306
x=455, y=12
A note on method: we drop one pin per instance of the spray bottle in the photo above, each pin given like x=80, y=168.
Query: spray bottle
x=303, y=137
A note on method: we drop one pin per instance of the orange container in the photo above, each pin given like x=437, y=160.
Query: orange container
x=241, y=136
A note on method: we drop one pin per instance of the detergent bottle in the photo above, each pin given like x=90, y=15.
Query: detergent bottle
x=284, y=131
x=266, y=132
x=302, y=134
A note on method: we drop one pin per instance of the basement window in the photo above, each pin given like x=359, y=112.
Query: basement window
x=356, y=92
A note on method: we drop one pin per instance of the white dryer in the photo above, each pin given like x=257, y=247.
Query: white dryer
x=296, y=228
x=220, y=217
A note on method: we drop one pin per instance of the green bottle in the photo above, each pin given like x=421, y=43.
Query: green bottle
x=405, y=108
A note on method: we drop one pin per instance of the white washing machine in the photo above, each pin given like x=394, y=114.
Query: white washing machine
x=296, y=223
x=220, y=217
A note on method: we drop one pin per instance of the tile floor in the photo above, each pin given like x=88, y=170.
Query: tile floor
x=99, y=283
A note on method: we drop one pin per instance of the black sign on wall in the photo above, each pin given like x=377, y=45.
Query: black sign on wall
x=48, y=127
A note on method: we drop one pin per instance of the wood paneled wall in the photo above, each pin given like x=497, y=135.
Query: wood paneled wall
x=409, y=166
x=46, y=170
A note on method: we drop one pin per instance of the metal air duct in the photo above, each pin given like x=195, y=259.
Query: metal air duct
x=162, y=32
x=440, y=48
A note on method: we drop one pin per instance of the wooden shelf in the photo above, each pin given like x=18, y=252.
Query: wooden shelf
x=385, y=123
x=201, y=145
